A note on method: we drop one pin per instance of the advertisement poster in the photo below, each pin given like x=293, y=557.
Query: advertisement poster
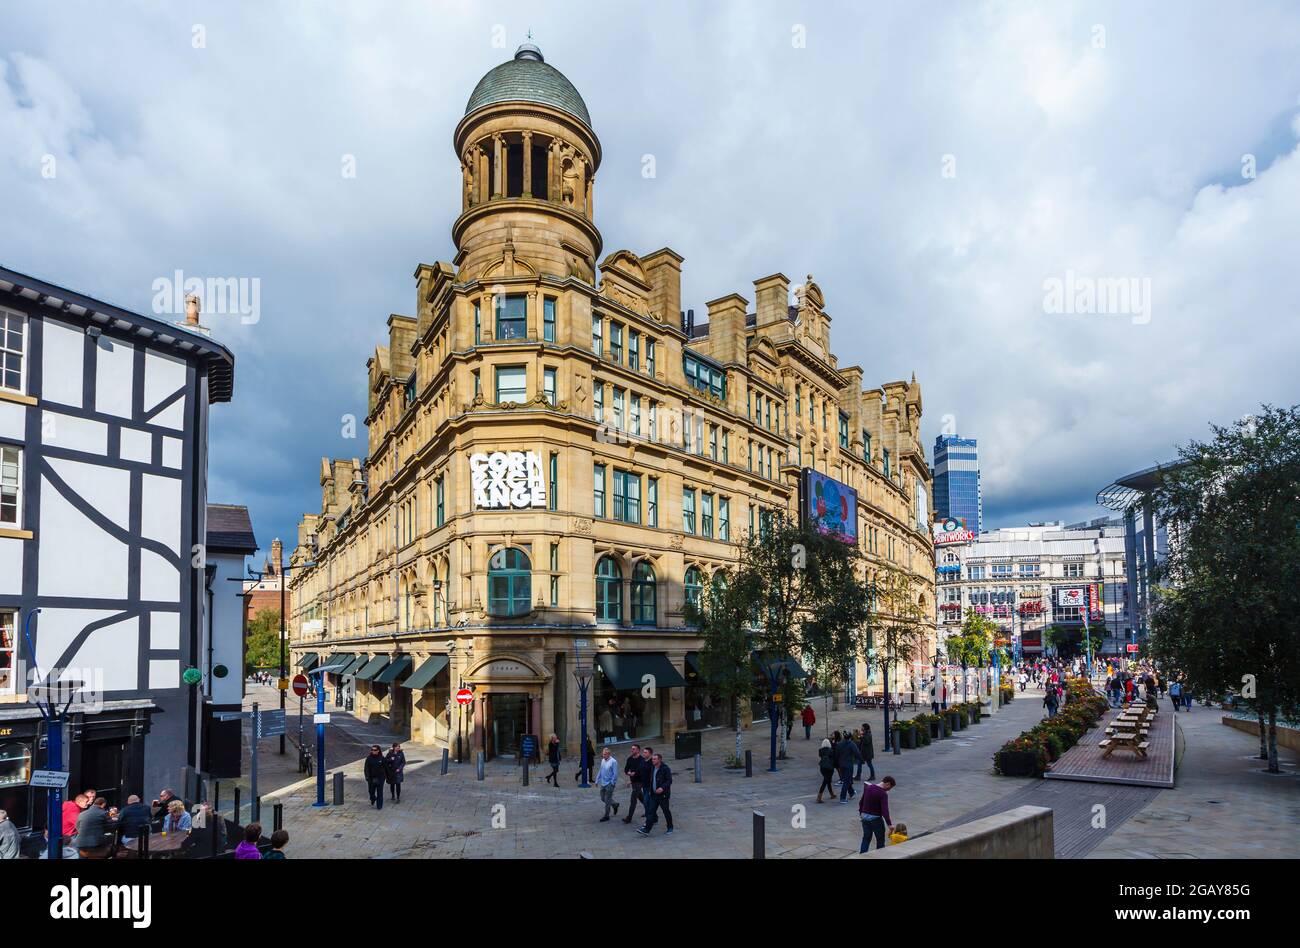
x=829, y=505
x=1073, y=596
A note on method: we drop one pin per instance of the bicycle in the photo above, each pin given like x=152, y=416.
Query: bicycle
x=305, y=765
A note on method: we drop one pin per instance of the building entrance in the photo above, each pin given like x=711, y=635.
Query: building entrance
x=507, y=723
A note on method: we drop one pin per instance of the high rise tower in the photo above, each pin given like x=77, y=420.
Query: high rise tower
x=957, y=491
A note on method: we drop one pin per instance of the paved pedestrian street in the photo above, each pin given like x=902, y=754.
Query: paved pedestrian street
x=939, y=785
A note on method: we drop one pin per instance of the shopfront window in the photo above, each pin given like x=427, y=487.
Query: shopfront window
x=609, y=591
x=624, y=715
x=8, y=629
x=643, y=594
x=509, y=583
x=15, y=774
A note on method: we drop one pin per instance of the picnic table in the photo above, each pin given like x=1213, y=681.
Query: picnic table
x=1124, y=740
x=161, y=846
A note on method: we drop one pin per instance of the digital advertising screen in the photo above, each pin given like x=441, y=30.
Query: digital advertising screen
x=830, y=506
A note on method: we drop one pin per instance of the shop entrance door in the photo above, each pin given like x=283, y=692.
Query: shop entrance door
x=103, y=766
x=507, y=723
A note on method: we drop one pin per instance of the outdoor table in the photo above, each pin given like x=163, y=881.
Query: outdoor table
x=167, y=845
x=1123, y=740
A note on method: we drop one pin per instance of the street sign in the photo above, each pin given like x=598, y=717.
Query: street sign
x=283, y=684
x=50, y=779
x=300, y=685
x=230, y=715
x=320, y=719
x=464, y=696
x=269, y=723
x=1131, y=647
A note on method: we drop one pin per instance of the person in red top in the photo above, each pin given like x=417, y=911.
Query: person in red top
x=873, y=809
x=809, y=719
x=72, y=809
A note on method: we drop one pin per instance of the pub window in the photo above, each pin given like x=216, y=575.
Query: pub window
x=609, y=591
x=509, y=583
x=8, y=631
x=512, y=316
x=11, y=480
x=13, y=339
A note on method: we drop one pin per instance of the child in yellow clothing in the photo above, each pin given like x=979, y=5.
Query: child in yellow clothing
x=899, y=834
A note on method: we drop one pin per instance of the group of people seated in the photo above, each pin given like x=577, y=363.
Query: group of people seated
x=94, y=830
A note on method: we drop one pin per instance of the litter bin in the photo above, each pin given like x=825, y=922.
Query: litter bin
x=686, y=744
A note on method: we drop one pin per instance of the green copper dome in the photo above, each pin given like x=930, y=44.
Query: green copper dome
x=527, y=78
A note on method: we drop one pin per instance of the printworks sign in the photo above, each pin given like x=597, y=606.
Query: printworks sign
x=505, y=479
x=952, y=530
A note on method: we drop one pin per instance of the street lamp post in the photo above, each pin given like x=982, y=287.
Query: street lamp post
x=584, y=659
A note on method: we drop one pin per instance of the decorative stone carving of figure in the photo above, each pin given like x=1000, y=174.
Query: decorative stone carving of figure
x=569, y=180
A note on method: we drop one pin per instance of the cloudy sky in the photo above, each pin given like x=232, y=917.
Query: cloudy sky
x=935, y=166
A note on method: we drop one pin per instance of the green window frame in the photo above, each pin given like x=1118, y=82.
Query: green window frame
x=724, y=518
x=688, y=510
x=440, y=491
x=643, y=594
x=548, y=318
x=598, y=490
x=510, y=581
x=706, y=515
x=511, y=311
x=652, y=502
x=609, y=590
x=693, y=585
x=553, y=485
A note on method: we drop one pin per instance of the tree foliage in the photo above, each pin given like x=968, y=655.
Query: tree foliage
x=263, y=643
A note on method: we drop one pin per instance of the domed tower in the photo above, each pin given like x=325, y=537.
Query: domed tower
x=528, y=159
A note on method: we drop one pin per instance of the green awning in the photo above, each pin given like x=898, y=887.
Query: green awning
x=308, y=661
x=401, y=665
x=371, y=668
x=693, y=663
x=357, y=664
x=789, y=664
x=339, y=660
x=427, y=672
x=627, y=670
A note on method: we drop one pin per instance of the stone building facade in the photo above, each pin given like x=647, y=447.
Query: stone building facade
x=557, y=459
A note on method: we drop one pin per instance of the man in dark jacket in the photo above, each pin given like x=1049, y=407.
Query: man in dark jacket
x=376, y=771
x=846, y=756
x=867, y=748
x=134, y=819
x=659, y=789
x=635, y=769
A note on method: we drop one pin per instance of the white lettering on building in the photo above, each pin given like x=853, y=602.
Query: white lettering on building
x=505, y=479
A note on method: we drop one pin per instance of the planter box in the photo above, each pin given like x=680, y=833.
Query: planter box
x=906, y=738
x=975, y=715
x=937, y=730
x=1018, y=763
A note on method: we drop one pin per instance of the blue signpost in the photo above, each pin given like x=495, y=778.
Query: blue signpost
x=320, y=730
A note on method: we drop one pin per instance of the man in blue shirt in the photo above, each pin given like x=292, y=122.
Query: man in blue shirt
x=659, y=788
x=606, y=780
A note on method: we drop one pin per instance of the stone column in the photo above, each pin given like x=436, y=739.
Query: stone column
x=499, y=169
x=528, y=164
x=552, y=169
x=482, y=185
x=588, y=206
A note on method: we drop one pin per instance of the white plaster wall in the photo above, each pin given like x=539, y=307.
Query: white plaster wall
x=13, y=421
x=61, y=376
x=162, y=375
x=106, y=659
x=76, y=557
x=11, y=566
x=76, y=434
x=114, y=381
x=104, y=488
x=227, y=629
x=160, y=510
x=137, y=445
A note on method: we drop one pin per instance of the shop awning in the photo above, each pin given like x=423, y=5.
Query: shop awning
x=789, y=664
x=693, y=663
x=343, y=659
x=308, y=661
x=627, y=670
x=401, y=665
x=427, y=672
x=371, y=668
x=358, y=663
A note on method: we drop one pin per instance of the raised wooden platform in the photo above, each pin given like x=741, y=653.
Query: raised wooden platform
x=1084, y=761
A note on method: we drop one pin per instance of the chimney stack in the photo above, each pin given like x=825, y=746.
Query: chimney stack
x=191, y=310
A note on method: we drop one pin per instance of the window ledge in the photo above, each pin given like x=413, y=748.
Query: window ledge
x=10, y=396
x=12, y=534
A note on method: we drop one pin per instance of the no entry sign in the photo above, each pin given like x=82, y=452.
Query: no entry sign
x=464, y=696
x=300, y=685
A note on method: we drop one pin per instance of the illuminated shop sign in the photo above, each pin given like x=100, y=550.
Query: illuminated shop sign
x=952, y=530
x=506, y=479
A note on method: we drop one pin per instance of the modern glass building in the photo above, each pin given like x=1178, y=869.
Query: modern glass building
x=957, y=481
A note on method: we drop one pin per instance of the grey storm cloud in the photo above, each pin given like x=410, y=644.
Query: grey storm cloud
x=938, y=169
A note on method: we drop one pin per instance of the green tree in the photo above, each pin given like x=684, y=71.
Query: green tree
x=1232, y=617
x=972, y=647
x=263, y=643
x=724, y=615
x=898, y=628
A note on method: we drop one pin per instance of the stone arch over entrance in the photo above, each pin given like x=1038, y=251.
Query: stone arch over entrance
x=509, y=690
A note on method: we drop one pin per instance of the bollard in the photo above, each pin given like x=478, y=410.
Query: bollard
x=445, y=757
x=525, y=774
x=277, y=817
x=216, y=794
x=256, y=810
x=239, y=810
x=760, y=837
x=480, y=765
x=216, y=836
x=699, y=773
x=749, y=763
x=338, y=788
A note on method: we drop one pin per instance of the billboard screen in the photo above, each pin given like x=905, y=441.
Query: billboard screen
x=1074, y=596
x=830, y=506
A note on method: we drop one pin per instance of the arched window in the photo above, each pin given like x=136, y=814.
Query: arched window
x=609, y=591
x=643, y=594
x=510, y=583
x=694, y=583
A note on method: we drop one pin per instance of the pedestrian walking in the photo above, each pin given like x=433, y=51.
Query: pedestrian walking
x=634, y=767
x=873, y=811
x=867, y=747
x=376, y=774
x=846, y=755
x=607, y=781
x=9, y=846
x=1176, y=694
x=659, y=790
x=826, y=764
x=809, y=719
x=1050, y=701
x=396, y=763
x=553, y=758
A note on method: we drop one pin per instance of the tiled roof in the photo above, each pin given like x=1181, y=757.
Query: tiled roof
x=230, y=530
x=526, y=78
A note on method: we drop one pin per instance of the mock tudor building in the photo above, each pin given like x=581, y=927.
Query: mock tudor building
x=559, y=459
x=103, y=471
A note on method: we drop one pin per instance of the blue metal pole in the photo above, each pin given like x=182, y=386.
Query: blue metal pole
x=320, y=743
x=54, y=761
x=582, y=718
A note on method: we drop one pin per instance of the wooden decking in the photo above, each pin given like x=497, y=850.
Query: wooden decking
x=1085, y=761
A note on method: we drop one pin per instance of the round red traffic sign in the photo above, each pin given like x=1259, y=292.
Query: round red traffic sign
x=464, y=696
x=300, y=685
